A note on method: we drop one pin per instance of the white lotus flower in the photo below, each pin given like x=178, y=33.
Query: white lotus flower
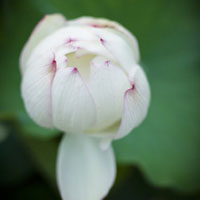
x=82, y=77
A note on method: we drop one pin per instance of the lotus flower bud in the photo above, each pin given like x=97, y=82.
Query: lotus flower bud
x=83, y=76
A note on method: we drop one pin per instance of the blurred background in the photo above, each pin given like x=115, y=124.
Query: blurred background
x=160, y=160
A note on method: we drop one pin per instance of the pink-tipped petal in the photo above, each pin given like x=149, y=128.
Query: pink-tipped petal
x=36, y=90
x=119, y=46
x=93, y=47
x=45, y=27
x=136, y=103
x=105, y=23
x=58, y=43
x=107, y=85
x=73, y=106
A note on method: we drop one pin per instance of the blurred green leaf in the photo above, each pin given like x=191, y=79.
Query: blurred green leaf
x=167, y=145
x=16, y=165
x=44, y=153
x=30, y=127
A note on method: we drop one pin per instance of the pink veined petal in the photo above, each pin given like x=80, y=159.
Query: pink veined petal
x=61, y=55
x=126, y=53
x=105, y=23
x=36, y=90
x=71, y=38
x=73, y=107
x=136, y=103
x=84, y=170
x=45, y=27
x=107, y=85
x=92, y=47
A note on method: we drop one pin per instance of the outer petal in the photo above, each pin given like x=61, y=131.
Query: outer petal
x=118, y=46
x=85, y=172
x=92, y=47
x=71, y=38
x=36, y=90
x=136, y=102
x=104, y=23
x=45, y=27
x=73, y=107
x=107, y=85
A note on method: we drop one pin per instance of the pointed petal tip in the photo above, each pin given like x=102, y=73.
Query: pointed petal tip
x=136, y=103
x=47, y=25
x=74, y=70
x=70, y=99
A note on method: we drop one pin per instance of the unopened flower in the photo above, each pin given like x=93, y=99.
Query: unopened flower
x=83, y=78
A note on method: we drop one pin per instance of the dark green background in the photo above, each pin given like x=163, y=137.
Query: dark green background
x=161, y=158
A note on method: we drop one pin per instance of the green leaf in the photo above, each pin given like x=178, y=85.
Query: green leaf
x=16, y=165
x=166, y=146
x=31, y=128
x=44, y=153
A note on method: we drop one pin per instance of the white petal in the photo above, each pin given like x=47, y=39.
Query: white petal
x=93, y=47
x=136, y=102
x=84, y=171
x=73, y=106
x=105, y=23
x=45, y=27
x=107, y=85
x=36, y=90
x=119, y=46
x=70, y=39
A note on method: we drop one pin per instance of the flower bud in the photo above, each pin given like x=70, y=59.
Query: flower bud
x=83, y=76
